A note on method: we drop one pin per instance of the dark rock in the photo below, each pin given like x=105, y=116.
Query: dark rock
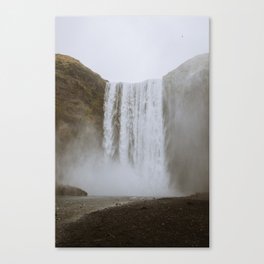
x=70, y=190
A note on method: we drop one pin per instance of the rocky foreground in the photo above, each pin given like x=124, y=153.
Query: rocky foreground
x=165, y=222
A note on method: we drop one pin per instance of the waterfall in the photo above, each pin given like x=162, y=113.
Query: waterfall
x=156, y=138
x=134, y=133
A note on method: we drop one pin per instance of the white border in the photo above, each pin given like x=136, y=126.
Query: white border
x=27, y=131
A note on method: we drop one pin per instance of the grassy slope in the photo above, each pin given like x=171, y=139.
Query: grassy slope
x=79, y=99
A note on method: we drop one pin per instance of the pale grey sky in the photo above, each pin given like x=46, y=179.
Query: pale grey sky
x=132, y=48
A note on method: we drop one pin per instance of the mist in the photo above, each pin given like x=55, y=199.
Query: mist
x=186, y=117
x=84, y=164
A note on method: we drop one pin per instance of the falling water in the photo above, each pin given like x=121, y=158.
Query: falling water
x=134, y=132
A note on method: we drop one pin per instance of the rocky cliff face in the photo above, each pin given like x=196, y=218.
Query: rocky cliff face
x=79, y=107
x=186, y=114
x=79, y=98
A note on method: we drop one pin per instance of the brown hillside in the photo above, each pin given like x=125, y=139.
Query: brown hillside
x=79, y=99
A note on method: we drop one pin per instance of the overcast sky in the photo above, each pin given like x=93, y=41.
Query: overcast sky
x=132, y=48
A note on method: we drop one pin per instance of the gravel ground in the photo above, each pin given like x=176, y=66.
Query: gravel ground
x=132, y=222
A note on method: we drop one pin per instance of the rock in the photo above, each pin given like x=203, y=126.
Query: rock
x=69, y=190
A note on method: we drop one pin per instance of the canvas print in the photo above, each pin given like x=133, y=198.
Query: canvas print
x=132, y=131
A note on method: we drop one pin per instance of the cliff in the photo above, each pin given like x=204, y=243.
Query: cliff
x=186, y=114
x=79, y=99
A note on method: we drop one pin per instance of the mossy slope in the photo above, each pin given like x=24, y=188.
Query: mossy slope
x=79, y=99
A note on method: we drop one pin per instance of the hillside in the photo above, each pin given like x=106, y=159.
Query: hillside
x=186, y=119
x=79, y=99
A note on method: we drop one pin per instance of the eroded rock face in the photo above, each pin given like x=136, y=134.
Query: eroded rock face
x=186, y=118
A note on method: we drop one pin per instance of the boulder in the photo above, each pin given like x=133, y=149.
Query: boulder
x=69, y=190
